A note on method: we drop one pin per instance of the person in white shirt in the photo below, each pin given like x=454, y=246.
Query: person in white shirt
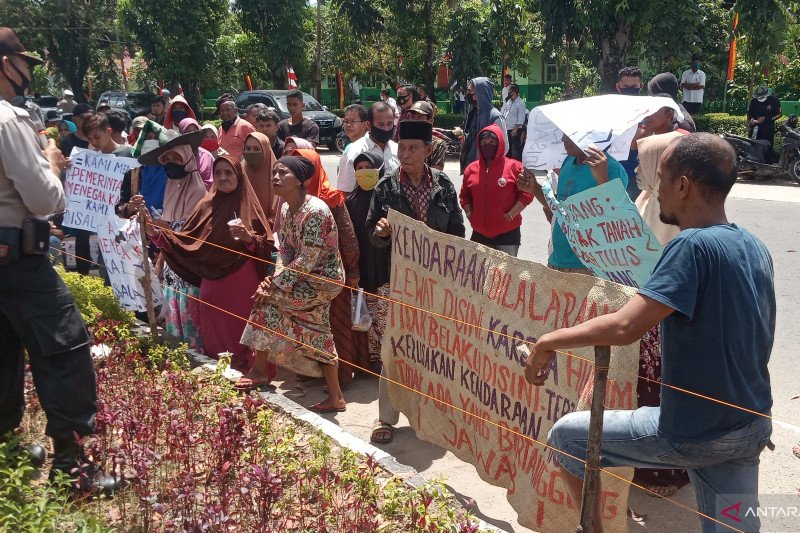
x=514, y=111
x=386, y=97
x=379, y=140
x=506, y=84
x=693, y=83
x=68, y=103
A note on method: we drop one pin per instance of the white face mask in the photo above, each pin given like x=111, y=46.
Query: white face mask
x=149, y=146
x=764, y=99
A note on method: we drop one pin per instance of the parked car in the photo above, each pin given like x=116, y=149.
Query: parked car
x=329, y=124
x=47, y=102
x=133, y=104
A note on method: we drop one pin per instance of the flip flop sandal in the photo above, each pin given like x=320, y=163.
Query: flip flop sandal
x=320, y=408
x=382, y=428
x=247, y=384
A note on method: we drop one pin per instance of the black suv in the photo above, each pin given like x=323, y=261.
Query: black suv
x=329, y=124
x=133, y=104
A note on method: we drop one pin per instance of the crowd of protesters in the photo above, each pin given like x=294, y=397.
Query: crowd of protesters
x=259, y=254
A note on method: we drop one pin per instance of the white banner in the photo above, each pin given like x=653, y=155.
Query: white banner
x=608, y=122
x=92, y=184
x=120, y=242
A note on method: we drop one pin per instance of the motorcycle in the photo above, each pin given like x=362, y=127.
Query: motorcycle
x=752, y=154
x=342, y=141
x=453, y=138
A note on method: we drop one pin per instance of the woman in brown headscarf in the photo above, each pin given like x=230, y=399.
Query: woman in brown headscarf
x=351, y=345
x=257, y=167
x=222, y=248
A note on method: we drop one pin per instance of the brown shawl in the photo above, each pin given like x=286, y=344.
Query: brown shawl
x=190, y=253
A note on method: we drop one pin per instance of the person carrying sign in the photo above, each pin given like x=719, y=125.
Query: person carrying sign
x=37, y=312
x=579, y=172
x=711, y=347
x=422, y=193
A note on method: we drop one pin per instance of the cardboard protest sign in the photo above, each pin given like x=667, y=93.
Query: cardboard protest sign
x=606, y=232
x=92, y=185
x=608, y=121
x=465, y=342
x=120, y=242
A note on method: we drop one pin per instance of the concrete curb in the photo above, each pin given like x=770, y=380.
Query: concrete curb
x=346, y=440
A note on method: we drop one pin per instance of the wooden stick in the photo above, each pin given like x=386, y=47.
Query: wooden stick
x=145, y=280
x=591, y=476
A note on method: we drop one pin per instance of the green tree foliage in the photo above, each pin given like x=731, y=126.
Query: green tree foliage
x=177, y=38
x=282, y=27
x=239, y=53
x=465, y=28
x=602, y=29
x=762, y=26
x=514, y=28
x=81, y=36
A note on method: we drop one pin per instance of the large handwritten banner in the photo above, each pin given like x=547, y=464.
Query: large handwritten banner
x=120, y=242
x=474, y=359
x=92, y=185
x=606, y=232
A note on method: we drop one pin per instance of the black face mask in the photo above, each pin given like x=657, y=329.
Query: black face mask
x=175, y=171
x=403, y=99
x=630, y=91
x=19, y=89
x=471, y=98
x=381, y=136
x=226, y=124
x=178, y=115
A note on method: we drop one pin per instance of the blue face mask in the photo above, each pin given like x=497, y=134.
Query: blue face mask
x=178, y=115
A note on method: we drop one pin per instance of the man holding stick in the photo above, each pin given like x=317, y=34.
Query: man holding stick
x=713, y=293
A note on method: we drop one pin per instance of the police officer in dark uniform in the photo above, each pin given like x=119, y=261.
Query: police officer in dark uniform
x=37, y=312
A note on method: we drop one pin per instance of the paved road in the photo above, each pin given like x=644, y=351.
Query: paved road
x=770, y=211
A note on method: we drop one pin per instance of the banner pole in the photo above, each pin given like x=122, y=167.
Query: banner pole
x=591, y=476
x=145, y=280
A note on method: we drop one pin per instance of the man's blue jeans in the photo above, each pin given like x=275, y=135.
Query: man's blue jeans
x=720, y=470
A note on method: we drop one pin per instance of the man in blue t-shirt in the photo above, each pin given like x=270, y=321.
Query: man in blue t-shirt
x=713, y=293
x=579, y=172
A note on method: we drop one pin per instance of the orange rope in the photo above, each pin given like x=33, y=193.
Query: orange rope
x=446, y=404
x=499, y=334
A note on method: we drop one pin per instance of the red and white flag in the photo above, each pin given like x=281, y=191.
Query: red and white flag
x=292, y=77
x=180, y=89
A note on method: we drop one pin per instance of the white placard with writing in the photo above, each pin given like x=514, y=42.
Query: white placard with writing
x=92, y=184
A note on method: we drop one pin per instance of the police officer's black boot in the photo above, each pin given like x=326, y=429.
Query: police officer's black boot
x=87, y=477
x=36, y=452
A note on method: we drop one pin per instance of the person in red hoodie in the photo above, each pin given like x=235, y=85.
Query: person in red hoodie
x=490, y=197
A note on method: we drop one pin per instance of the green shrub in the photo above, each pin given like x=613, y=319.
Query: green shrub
x=207, y=113
x=93, y=298
x=721, y=122
x=449, y=121
x=735, y=124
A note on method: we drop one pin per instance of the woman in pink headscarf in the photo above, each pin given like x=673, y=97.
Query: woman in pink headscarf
x=185, y=189
x=205, y=159
x=296, y=143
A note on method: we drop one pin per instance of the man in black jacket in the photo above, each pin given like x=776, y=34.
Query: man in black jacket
x=422, y=193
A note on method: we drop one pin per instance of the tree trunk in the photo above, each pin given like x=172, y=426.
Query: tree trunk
x=318, y=86
x=429, y=60
x=613, y=50
x=568, y=71
x=752, y=77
